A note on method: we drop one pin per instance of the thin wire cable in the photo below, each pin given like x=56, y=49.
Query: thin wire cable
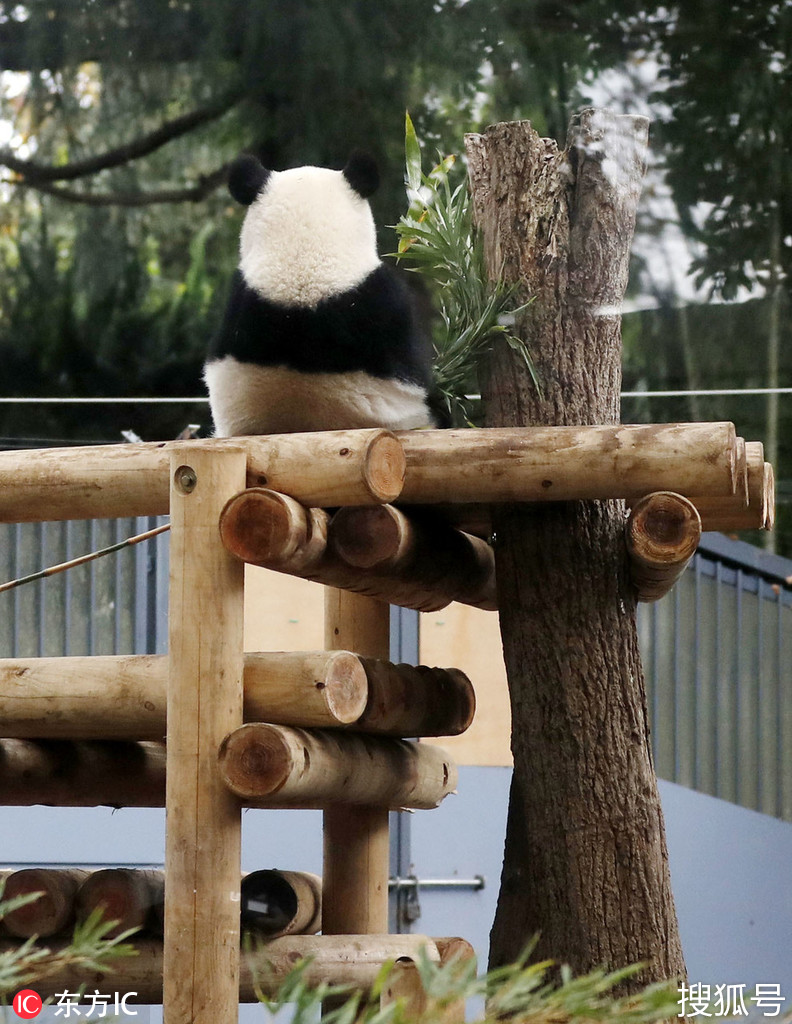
x=73, y=562
x=197, y=400
x=118, y=400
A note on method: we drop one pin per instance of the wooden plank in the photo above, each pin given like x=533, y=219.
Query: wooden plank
x=203, y=821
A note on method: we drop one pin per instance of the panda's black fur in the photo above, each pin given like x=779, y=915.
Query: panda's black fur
x=318, y=333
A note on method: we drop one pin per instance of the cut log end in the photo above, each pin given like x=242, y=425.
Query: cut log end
x=662, y=534
x=262, y=524
x=664, y=528
x=344, y=687
x=385, y=467
x=256, y=760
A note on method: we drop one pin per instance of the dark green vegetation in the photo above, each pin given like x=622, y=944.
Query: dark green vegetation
x=117, y=238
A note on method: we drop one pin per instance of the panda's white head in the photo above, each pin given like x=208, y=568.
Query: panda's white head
x=308, y=233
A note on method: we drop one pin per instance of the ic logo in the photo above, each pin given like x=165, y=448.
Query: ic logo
x=27, y=1004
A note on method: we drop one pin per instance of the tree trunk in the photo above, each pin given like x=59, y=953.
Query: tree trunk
x=586, y=864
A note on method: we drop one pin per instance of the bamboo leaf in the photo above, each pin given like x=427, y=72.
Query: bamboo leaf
x=412, y=151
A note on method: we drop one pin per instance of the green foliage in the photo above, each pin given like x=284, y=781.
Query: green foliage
x=30, y=962
x=437, y=240
x=523, y=993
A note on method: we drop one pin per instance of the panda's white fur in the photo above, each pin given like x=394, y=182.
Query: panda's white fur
x=291, y=246
x=249, y=399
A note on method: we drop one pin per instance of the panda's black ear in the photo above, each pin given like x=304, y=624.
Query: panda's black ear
x=246, y=178
x=362, y=174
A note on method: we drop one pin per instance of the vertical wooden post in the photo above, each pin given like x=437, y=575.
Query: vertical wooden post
x=202, y=846
x=356, y=846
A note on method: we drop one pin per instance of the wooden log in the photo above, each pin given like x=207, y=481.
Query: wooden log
x=353, y=960
x=407, y=700
x=662, y=534
x=276, y=903
x=404, y=985
x=266, y=528
x=277, y=766
x=725, y=512
x=335, y=467
x=356, y=855
x=126, y=895
x=86, y=774
x=203, y=822
x=518, y=464
x=756, y=511
x=53, y=912
x=124, y=697
x=417, y=547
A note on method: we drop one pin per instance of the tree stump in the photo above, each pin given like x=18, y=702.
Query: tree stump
x=586, y=863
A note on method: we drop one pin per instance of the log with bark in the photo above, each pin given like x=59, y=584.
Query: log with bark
x=586, y=863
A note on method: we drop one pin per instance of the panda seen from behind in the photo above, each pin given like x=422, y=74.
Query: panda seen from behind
x=318, y=333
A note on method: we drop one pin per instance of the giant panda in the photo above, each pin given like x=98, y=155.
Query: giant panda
x=318, y=333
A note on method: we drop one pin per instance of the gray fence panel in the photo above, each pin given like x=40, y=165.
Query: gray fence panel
x=716, y=654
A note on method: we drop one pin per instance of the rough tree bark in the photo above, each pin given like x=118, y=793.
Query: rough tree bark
x=586, y=864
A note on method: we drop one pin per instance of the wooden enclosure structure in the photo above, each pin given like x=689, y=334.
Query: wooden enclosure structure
x=209, y=729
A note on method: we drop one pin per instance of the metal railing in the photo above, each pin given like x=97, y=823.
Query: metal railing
x=717, y=654
x=114, y=605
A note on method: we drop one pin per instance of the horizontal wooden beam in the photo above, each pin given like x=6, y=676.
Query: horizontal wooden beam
x=413, y=700
x=330, y=468
x=507, y=464
x=754, y=510
x=58, y=773
x=273, y=902
x=122, y=697
x=418, y=547
x=662, y=534
x=266, y=528
x=276, y=766
x=265, y=765
x=353, y=960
